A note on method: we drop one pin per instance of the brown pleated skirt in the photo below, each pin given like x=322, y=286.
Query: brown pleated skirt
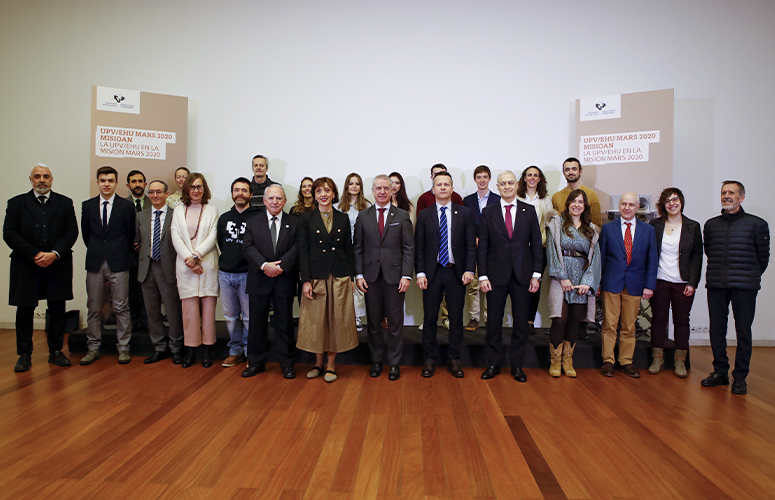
x=327, y=321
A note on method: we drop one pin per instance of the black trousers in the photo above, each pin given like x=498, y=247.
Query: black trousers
x=444, y=282
x=744, y=308
x=24, y=321
x=496, y=307
x=258, y=332
x=136, y=303
x=384, y=301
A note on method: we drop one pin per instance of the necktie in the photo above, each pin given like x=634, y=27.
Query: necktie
x=628, y=242
x=443, y=238
x=381, y=221
x=42, y=200
x=104, y=215
x=156, y=250
x=509, y=223
x=273, y=231
x=138, y=206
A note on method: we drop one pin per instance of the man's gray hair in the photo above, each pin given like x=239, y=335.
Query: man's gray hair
x=738, y=183
x=503, y=174
x=380, y=177
x=42, y=165
x=278, y=186
x=166, y=187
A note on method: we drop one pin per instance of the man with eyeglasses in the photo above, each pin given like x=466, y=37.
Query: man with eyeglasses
x=510, y=259
x=156, y=274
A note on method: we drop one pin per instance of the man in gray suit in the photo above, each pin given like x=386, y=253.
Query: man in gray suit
x=156, y=273
x=384, y=259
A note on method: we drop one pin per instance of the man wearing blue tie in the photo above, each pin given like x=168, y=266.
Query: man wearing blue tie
x=445, y=261
x=628, y=248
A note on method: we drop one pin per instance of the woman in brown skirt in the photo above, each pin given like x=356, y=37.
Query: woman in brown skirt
x=327, y=315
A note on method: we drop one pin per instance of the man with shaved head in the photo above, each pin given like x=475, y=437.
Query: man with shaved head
x=628, y=248
x=41, y=229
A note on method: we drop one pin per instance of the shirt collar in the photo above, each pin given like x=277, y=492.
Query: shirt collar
x=504, y=203
x=279, y=216
x=485, y=197
x=624, y=222
x=448, y=205
x=109, y=200
x=163, y=209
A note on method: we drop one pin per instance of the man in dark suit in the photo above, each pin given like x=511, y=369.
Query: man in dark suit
x=41, y=229
x=477, y=202
x=156, y=273
x=270, y=244
x=445, y=261
x=510, y=258
x=628, y=248
x=384, y=257
x=135, y=182
x=108, y=230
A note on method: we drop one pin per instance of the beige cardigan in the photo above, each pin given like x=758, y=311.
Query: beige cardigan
x=190, y=284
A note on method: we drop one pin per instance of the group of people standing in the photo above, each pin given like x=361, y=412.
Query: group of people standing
x=349, y=258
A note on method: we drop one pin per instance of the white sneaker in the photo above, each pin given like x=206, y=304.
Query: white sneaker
x=358, y=324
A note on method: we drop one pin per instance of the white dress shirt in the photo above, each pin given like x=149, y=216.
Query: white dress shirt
x=632, y=227
x=161, y=216
x=110, y=207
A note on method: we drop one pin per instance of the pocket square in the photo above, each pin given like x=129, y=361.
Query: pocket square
x=395, y=224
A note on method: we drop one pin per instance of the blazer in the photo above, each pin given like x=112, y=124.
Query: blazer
x=190, y=284
x=472, y=203
x=257, y=247
x=144, y=231
x=689, y=248
x=393, y=253
x=501, y=257
x=322, y=254
x=29, y=229
x=146, y=202
x=114, y=244
x=642, y=271
x=427, y=240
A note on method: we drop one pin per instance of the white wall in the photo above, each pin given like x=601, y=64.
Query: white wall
x=336, y=86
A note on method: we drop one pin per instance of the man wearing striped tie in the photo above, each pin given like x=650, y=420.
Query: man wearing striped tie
x=156, y=274
x=445, y=261
x=628, y=248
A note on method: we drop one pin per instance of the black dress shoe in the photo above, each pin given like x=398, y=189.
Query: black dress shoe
x=455, y=368
x=177, y=358
x=58, y=358
x=518, y=375
x=289, y=372
x=189, y=358
x=491, y=372
x=428, y=368
x=395, y=372
x=255, y=370
x=376, y=370
x=156, y=357
x=207, y=360
x=715, y=379
x=739, y=386
x=23, y=364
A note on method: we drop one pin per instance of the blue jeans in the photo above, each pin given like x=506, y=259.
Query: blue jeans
x=235, y=305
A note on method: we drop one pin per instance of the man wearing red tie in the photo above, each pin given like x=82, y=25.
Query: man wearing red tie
x=510, y=264
x=628, y=248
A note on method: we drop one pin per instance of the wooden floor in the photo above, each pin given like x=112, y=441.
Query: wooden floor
x=156, y=431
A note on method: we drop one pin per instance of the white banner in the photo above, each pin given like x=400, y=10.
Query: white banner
x=116, y=142
x=616, y=148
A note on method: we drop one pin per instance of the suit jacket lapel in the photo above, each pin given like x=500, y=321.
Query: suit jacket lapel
x=519, y=217
x=33, y=206
x=317, y=217
x=167, y=220
x=501, y=221
x=282, y=232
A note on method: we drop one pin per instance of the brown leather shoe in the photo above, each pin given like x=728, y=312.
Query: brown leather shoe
x=629, y=370
x=455, y=368
x=607, y=370
x=472, y=325
x=428, y=368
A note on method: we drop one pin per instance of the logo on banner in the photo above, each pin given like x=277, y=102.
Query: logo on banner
x=600, y=108
x=118, y=100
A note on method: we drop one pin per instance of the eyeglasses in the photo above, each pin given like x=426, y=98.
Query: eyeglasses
x=672, y=200
x=155, y=192
x=199, y=187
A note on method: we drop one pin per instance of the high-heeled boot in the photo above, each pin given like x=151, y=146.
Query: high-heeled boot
x=207, y=361
x=189, y=357
x=680, y=363
x=556, y=356
x=567, y=359
x=658, y=354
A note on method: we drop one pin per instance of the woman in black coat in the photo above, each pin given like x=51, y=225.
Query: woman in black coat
x=679, y=247
x=327, y=314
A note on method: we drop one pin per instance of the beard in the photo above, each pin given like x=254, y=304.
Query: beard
x=42, y=189
x=240, y=201
x=138, y=191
